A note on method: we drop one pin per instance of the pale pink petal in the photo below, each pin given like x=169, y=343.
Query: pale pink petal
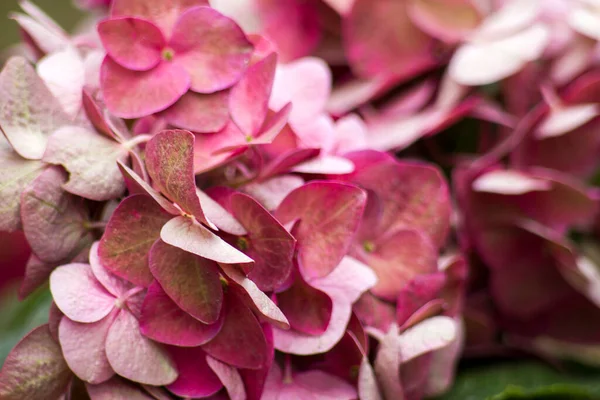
x=211, y=47
x=198, y=112
x=387, y=364
x=64, y=74
x=368, y=387
x=162, y=320
x=83, y=348
x=116, y=389
x=305, y=83
x=271, y=192
x=133, y=43
x=230, y=377
x=135, y=357
x=327, y=387
x=585, y=20
x=79, y=295
x=29, y=112
x=34, y=369
x=91, y=160
x=43, y=37
x=162, y=13
x=112, y=283
x=333, y=165
x=135, y=94
x=511, y=17
x=188, y=235
x=566, y=119
x=17, y=174
x=443, y=364
x=351, y=134
x=196, y=377
x=341, y=6
x=249, y=98
x=48, y=211
x=432, y=334
x=220, y=216
x=509, y=182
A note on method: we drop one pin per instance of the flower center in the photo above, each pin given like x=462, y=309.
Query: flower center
x=168, y=54
x=368, y=246
x=243, y=243
x=249, y=138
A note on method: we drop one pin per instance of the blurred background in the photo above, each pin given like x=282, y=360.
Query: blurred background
x=61, y=11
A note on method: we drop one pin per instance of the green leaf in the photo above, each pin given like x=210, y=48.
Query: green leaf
x=523, y=380
x=18, y=318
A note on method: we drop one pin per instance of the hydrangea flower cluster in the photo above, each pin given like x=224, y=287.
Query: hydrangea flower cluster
x=249, y=199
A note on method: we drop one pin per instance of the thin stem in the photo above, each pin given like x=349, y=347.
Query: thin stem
x=136, y=140
x=94, y=225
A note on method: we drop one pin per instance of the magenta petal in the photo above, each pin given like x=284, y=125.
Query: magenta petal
x=249, y=99
x=188, y=235
x=162, y=13
x=170, y=163
x=17, y=173
x=308, y=309
x=91, y=160
x=191, y=281
x=241, y=341
x=134, y=43
x=133, y=228
x=135, y=357
x=72, y=283
x=135, y=94
x=28, y=110
x=137, y=185
x=83, y=348
x=116, y=389
x=112, y=283
x=254, y=298
x=48, y=211
x=162, y=320
x=198, y=112
x=230, y=377
x=196, y=378
x=270, y=245
x=211, y=47
x=397, y=258
x=34, y=369
x=329, y=213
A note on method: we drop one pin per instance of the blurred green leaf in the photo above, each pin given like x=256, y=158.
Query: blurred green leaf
x=523, y=380
x=18, y=318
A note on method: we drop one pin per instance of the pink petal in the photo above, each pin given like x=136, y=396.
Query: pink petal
x=327, y=387
x=488, y=62
x=72, y=283
x=380, y=39
x=162, y=320
x=447, y=20
x=134, y=226
x=344, y=285
x=271, y=192
x=83, y=348
x=133, y=43
x=398, y=258
x=192, y=282
x=249, y=100
x=48, y=211
x=421, y=292
x=135, y=94
x=34, y=369
x=196, y=377
x=188, y=235
x=91, y=160
x=64, y=74
x=112, y=283
x=329, y=214
x=255, y=299
x=230, y=377
x=207, y=146
x=288, y=159
x=28, y=110
x=241, y=341
x=163, y=14
x=170, y=163
x=137, y=185
x=17, y=174
x=348, y=96
x=432, y=334
x=220, y=216
x=270, y=245
x=135, y=357
x=308, y=309
x=201, y=113
x=305, y=83
x=116, y=389
x=96, y=115
x=211, y=47
x=36, y=274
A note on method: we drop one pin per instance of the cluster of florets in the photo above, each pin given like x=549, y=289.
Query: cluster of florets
x=211, y=192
